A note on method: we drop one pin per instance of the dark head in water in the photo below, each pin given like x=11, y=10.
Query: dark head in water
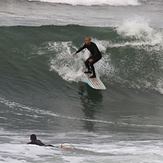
x=33, y=138
x=87, y=40
x=35, y=141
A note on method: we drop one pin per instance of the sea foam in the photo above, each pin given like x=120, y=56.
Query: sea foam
x=140, y=29
x=94, y=2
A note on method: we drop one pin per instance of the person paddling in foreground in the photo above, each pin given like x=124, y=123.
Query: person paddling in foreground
x=35, y=141
x=95, y=56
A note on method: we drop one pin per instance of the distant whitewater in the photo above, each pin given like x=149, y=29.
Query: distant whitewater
x=94, y=2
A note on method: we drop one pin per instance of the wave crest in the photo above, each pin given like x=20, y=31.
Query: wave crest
x=94, y=2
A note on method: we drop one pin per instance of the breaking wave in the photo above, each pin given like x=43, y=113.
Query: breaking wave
x=94, y=2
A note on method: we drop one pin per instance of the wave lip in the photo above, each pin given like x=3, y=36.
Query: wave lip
x=140, y=29
x=94, y=2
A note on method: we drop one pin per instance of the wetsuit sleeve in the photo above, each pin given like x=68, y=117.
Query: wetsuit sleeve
x=37, y=142
x=83, y=47
x=40, y=143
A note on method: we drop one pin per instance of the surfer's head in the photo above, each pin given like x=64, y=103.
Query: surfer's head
x=87, y=40
x=33, y=137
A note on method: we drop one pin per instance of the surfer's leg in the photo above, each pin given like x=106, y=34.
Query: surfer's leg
x=93, y=71
x=87, y=65
x=92, y=61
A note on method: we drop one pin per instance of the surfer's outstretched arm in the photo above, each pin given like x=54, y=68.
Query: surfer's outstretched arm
x=80, y=49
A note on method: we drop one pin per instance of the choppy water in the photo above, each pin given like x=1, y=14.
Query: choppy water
x=41, y=90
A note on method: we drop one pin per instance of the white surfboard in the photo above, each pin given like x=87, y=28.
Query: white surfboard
x=95, y=83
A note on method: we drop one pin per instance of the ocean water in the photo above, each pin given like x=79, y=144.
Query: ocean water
x=40, y=81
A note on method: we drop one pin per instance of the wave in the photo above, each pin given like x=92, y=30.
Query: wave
x=135, y=61
x=139, y=28
x=34, y=111
x=132, y=53
x=38, y=111
x=94, y=2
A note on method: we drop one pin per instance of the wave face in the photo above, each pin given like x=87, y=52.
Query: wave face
x=132, y=53
x=94, y=2
x=41, y=93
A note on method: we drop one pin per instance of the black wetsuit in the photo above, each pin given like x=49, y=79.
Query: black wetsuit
x=95, y=56
x=37, y=142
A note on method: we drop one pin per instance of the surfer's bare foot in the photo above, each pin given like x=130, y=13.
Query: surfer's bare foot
x=87, y=72
x=93, y=76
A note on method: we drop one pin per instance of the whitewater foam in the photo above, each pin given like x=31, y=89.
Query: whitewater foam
x=71, y=68
x=63, y=62
x=86, y=150
x=94, y=2
x=20, y=153
x=147, y=38
x=138, y=28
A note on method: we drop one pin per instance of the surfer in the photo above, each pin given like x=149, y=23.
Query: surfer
x=35, y=141
x=94, y=57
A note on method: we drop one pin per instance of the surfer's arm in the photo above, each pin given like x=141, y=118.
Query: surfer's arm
x=80, y=49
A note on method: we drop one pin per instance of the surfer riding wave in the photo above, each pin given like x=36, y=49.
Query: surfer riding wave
x=94, y=57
